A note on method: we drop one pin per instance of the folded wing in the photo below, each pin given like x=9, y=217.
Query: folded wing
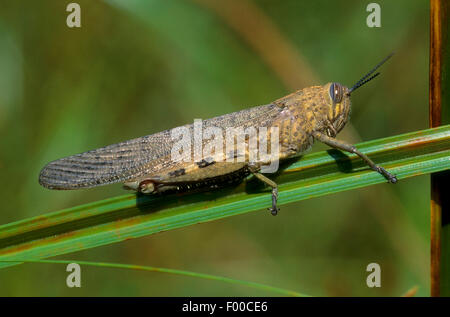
x=134, y=158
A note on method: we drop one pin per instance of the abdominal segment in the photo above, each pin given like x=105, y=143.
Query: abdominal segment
x=200, y=175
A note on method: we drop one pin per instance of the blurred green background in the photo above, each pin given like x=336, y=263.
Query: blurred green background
x=139, y=67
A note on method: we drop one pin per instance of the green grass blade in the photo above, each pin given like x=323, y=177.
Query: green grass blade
x=259, y=286
x=130, y=216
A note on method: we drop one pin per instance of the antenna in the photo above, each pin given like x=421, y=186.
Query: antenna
x=364, y=80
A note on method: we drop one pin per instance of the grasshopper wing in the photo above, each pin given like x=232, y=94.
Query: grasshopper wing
x=137, y=157
x=106, y=165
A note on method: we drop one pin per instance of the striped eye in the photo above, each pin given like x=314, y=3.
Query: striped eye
x=336, y=92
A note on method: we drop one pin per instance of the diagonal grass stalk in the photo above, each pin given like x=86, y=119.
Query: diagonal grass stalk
x=131, y=216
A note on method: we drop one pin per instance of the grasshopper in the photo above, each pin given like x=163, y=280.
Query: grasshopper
x=144, y=164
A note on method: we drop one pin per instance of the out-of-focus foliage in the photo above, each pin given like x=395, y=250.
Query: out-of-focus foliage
x=138, y=67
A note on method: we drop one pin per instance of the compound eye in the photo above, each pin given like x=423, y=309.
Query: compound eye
x=336, y=92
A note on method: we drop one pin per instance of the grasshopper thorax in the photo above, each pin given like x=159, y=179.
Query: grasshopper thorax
x=339, y=107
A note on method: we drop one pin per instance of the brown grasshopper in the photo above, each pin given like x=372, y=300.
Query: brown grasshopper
x=145, y=165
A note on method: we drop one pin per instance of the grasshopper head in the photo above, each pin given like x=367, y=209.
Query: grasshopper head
x=339, y=107
x=339, y=104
